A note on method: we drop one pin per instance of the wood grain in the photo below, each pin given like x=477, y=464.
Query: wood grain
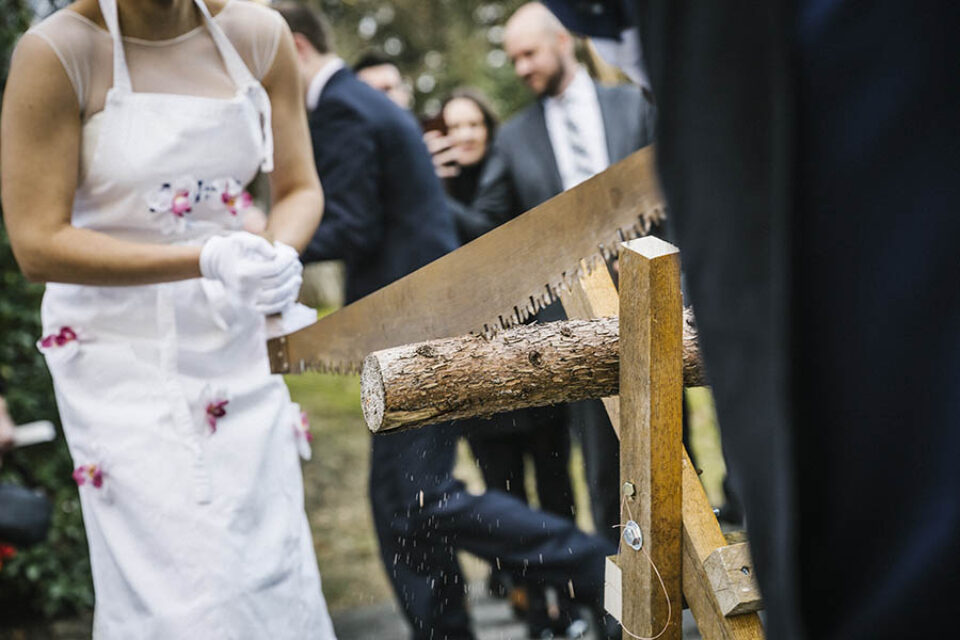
x=474, y=376
x=731, y=574
x=701, y=531
x=651, y=404
x=595, y=296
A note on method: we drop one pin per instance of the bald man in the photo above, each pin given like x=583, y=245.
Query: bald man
x=574, y=130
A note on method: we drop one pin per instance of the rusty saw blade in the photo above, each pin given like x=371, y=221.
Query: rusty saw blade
x=496, y=281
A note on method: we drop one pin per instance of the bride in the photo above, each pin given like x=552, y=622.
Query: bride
x=129, y=134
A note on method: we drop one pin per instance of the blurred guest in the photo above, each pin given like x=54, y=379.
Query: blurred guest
x=386, y=216
x=574, y=130
x=24, y=514
x=501, y=443
x=381, y=73
x=461, y=148
x=6, y=423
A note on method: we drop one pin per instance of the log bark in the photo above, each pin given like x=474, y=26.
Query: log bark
x=473, y=376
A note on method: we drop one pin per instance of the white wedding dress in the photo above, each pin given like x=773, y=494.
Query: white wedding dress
x=186, y=448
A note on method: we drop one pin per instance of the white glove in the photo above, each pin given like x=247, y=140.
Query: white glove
x=281, y=290
x=251, y=268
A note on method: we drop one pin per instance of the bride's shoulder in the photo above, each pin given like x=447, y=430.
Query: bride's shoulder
x=247, y=15
x=253, y=28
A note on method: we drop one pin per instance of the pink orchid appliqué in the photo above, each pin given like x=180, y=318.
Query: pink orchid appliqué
x=91, y=473
x=65, y=336
x=305, y=426
x=237, y=203
x=301, y=431
x=61, y=345
x=174, y=200
x=233, y=196
x=216, y=409
x=182, y=203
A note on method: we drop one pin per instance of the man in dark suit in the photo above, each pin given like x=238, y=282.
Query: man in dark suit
x=813, y=181
x=574, y=130
x=385, y=217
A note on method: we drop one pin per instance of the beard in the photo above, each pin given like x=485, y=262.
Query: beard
x=555, y=79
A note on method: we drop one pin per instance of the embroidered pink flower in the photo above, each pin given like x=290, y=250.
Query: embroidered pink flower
x=58, y=339
x=236, y=203
x=216, y=409
x=301, y=431
x=232, y=195
x=211, y=408
x=182, y=203
x=305, y=427
x=176, y=200
x=91, y=473
x=62, y=345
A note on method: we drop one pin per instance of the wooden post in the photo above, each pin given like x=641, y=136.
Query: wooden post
x=651, y=432
x=591, y=298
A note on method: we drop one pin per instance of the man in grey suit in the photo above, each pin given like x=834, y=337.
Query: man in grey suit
x=574, y=130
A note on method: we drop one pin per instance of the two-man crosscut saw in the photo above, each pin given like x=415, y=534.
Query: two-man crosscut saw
x=496, y=281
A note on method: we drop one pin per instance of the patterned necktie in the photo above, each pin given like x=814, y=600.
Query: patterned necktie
x=582, y=166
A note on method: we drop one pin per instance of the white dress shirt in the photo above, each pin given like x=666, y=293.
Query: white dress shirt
x=580, y=101
x=320, y=80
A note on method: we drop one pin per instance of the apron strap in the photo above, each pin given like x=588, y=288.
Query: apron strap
x=236, y=67
x=121, y=75
x=245, y=82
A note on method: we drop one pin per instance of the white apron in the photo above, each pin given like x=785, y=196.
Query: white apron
x=186, y=448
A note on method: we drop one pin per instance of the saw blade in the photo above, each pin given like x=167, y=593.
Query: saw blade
x=494, y=282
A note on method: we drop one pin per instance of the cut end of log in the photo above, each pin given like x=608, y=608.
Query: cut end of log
x=373, y=400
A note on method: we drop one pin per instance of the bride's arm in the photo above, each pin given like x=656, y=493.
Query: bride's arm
x=39, y=155
x=294, y=186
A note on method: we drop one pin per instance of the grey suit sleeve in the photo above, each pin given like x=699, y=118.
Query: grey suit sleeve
x=494, y=203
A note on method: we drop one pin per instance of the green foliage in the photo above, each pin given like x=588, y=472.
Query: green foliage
x=53, y=578
x=438, y=44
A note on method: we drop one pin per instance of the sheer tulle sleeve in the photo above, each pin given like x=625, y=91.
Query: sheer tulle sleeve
x=255, y=32
x=188, y=64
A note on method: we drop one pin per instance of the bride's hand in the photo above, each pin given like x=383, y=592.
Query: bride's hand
x=249, y=266
x=281, y=290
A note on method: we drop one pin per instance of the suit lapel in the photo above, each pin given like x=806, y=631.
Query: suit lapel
x=618, y=146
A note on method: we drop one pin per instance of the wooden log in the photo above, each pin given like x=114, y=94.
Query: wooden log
x=532, y=366
x=651, y=407
x=470, y=376
x=595, y=296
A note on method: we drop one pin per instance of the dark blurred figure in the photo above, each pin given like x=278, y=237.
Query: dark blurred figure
x=24, y=514
x=380, y=72
x=460, y=151
x=808, y=151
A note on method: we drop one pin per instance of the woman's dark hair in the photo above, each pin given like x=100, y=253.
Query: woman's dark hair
x=483, y=103
x=372, y=58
